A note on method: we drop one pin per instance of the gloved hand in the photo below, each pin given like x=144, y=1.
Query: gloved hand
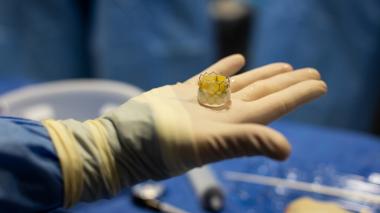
x=165, y=132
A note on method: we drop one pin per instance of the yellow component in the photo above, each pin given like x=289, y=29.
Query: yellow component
x=222, y=87
x=210, y=77
x=221, y=78
x=310, y=205
x=213, y=89
x=205, y=85
x=213, y=82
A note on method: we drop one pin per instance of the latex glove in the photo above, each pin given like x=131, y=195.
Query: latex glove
x=165, y=132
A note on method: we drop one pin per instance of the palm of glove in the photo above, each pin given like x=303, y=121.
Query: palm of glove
x=191, y=135
x=258, y=97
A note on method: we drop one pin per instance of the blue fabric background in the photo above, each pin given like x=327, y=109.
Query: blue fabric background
x=340, y=38
x=151, y=43
x=146, y=43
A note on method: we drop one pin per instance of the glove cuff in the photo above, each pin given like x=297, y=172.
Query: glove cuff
x=87, y=160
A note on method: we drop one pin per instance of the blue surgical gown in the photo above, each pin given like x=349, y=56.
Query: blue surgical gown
x=30, y=177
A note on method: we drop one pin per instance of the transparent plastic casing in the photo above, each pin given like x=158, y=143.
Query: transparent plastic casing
x=214, y=90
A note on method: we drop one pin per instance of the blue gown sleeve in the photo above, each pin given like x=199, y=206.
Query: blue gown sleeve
x=30, y=177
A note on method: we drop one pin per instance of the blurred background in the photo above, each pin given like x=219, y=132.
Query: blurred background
x=155, y=42
x=150, y=43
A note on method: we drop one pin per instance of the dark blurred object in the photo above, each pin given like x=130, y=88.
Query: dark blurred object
x=233, y=21
x=207, y=188
x=376, y=120
x=86, y=7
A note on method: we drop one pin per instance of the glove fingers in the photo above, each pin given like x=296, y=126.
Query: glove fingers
x=275, y=105
x=240, y=81
x=225, y=141
x=277, y=83
x=226, y=66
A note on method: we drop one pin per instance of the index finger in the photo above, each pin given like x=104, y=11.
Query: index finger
x=226, y=66
x=240, y=81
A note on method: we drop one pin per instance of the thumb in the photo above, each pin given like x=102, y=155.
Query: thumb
x=225, y=141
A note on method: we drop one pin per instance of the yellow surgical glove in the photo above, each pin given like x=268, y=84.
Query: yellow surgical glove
x=165, y=132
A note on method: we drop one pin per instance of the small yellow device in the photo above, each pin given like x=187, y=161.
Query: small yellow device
x=214, y=90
